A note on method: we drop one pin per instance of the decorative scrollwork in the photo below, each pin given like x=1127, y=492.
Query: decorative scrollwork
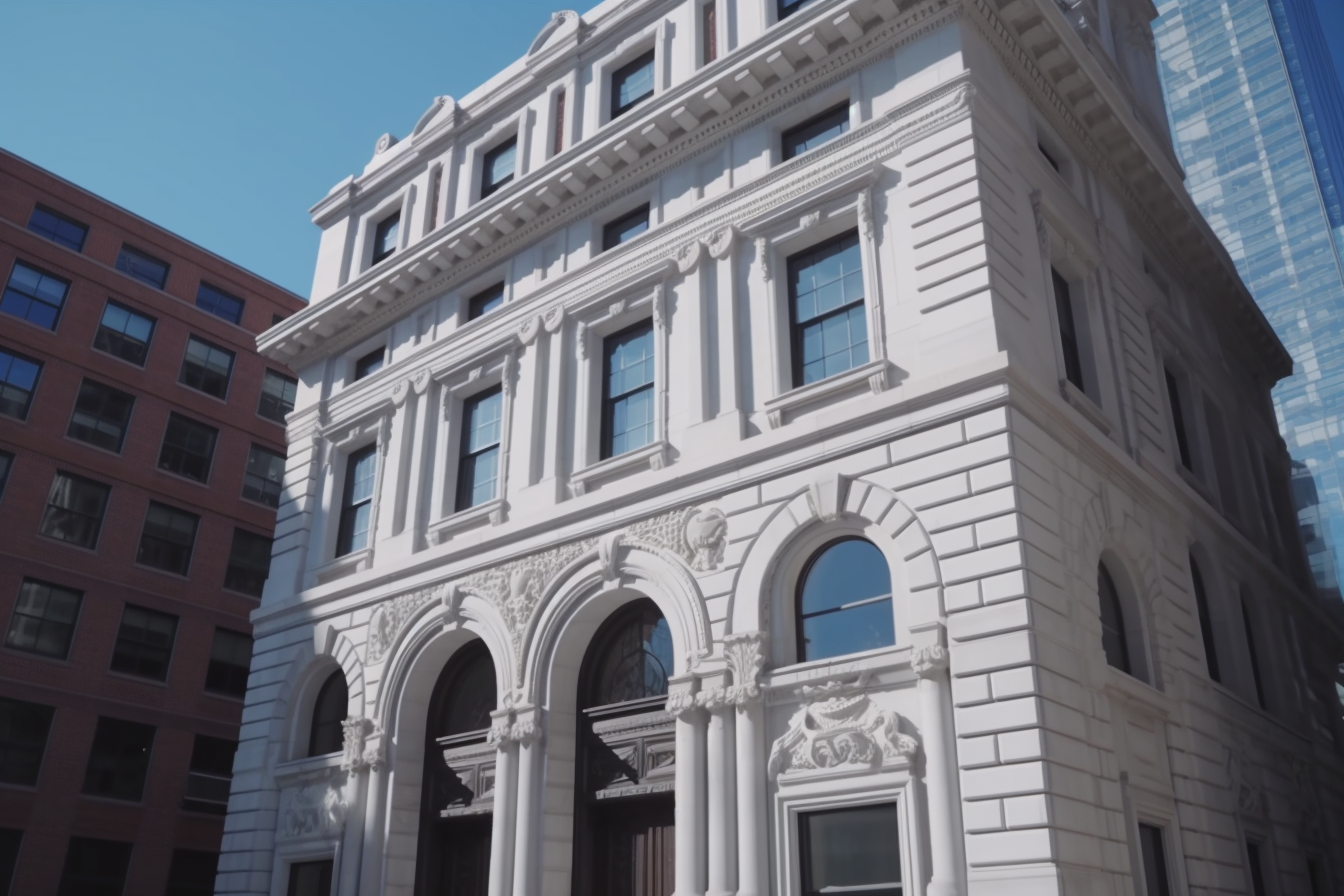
x=848, y=730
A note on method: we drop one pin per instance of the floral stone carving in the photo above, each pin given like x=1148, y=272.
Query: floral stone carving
x=390, y=616
x=847, y=730
x=313, y=810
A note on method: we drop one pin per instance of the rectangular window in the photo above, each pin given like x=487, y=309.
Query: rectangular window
x=357, y=501
x=18, y=382
x=1257, y=870
x=627, y=390
x=119, y=759
x=58, y=228
x=167, y=539
x=277, y=395
x=188, y=448
x=192, y=873
x=1178, y=420
x=631, y=84
x=851, y=851
x=1222, y=460
x=310, y=879
x=44, y=619
x=385, y=236
x=485, y=301
x=265, y=476
x=786, y=8
x=1050, y=159
x=230, y=657
x=497, y=166
x=559, y=145
x=219, y=303
x=124, y=333
x=209, y=776
x=143, y=267
x=75, y=508
x=709, y=31
x=95, y=868
x=370, y=363
x=1154, y=860
x=1315, y=876
x=478, y=468
x=828, y=323
x=144, y=643
x=34, y=296
x=24, y=728
x=10, y=840
x=6, y=464
x=625, y=228
x=101, y=416
x=249, y=563
x=435, y=186
x=815, y=131
x=1068, y=331
x=1254, y=655
x=206, y=367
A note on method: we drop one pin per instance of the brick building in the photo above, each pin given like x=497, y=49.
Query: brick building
x=140, y=440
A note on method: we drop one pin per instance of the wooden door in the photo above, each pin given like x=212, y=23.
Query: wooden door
x=633, y=846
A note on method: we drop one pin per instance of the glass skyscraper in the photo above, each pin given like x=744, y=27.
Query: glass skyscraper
x=1258, y=124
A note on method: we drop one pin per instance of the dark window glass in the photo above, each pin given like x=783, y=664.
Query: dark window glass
x=58, y=228
x=277, y=317
x=219, y=303
x=1205, y=621
x=143, y=267
x=1254, y=654
x=34, y=295
x=1113, y=640
x=1154, y=860
x=101, y=416
x=168, y=537
x=1050, y=159
x=74, y=512
x=18, y=382
x=370, y=363
x=634, y=657
x=1257, y=870
x=786, y=8
x=827, y=318
x=1068, y=332
x=851, y=851
x=206, y=367
x=10, y=840
x=485, y=302
x=435, y=187
x=230, y=657
x=124, y=333
x=844, y=601
x=44, y=619
x=465, y=694
x=625, y=228
x=192, y=873
x=816, y=131
x=478, y=468
x=249, y=563
x=188, y=448
x=144, y=643
x=1315, y=877
x=310, y=879
x=709, y=31
x=265, y=476
x=327, y=734
x=24, y=728
x=1178, y=420
x=559, y=144
x=627, y=390
x=497, y=166
x=277, y=395
x=631, y=84
x=385, y=236
x=95, y=868
x=357, y=501
x=209, y=775
x=6, y=464
x=119, y=759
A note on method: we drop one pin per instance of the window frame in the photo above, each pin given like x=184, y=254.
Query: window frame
x=142, y=773
x=212, y=777
x=784, y=9
x=270, y=374
x=842, y=108
x=855, y=789
x=217, y=295
x=347, y=509
x=97, y=529
x=62, y=218
x=388, y=225
x=133, y=313
x=610, y=231
x=6, y=385
x=129, y=271
x=230, y=582
x=249, y=475
x=186, y=356
x=210, y=666
x=71, y=627
x=110, y=393
x=141, y=645
x=34, y=298
x=707, y=26
x=799, y=617
x=497, y=149
x=479, y=304
x=464, y=496
x=361, y=368
x=796, y=335
x=7, y=459
x=71, y=885
x=36, y=746
x=804, y=837
x=181, y=452
x=190, y=548
x=458, y=386
x=609, y=402
x=316, y=721
x=1162, y=875
x=628, y=65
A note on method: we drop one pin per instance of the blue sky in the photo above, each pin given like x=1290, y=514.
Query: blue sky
x=225, y=121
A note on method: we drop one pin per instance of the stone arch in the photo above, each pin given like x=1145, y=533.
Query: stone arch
x=308, y=669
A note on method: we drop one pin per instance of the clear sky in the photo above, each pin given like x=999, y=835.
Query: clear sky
x=226, y=120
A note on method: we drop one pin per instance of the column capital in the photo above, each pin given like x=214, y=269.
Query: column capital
x=745, y=653
x=682, y=692
x=929, y=662
x=515, y=725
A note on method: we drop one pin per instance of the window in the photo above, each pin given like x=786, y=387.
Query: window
x=478, y=468
x=143, y=267
x=1222, y=460
x=1154, y=860
x=192, y=873
x=1257, y=870
x=786, y=8
x=188, y=448
x=6, y=464
x=18, y=382
x=485, y=302
x=44, y=619
x=559, y=144
x=24, y=728
x=633, y=658
x=144, y=643
x=1113, y=640
x=1315, y=876
x=167, y=538
x=844, y=601
x=249, y=563
x=75, y=509
x=1068, y=332
x=827, y=321
x=497, y=166
x=327, y=734
x=124, y=333
x=815, y=131
x=95, y=868
x=119, y=760
x=631, y=84
x=851, y=851
x=1049, y=159
x=370, y=363
x=209, y=776
x=357, y=501
x=277, y=395
x=10, y=840
x=1178, y=420
x=230, y=657
x=34, y=296
x=627, y=390
x=219, y=303
x=58, y=228
x=1205, y=620
x=265, y=476
x=101, y=416
x=206, y=367
x=625, y=228
x=310, y=878
x=464, y=695
x=709, y=31
x=1253, y=654
x=385, y=236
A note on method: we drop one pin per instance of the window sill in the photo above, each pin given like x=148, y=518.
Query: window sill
x=874, y=373
x=654, y=455
x=1083, y=403
x=345, y=565
x=495, y=512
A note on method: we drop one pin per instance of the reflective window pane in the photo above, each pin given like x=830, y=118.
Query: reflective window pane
x=124, y=333
x=851, y=851
x=143, y=267
x=826, y=305
x=844, y=601
x=631, y=84
x=34, y=295
x=58, y=228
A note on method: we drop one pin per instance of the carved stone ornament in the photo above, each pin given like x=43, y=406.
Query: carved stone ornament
x=763, y=256
x=385, y=142
x=842, y=731
x=389, y=617
x=1248, y=794
x=659, y=306
x=865, y=211
x=929, y=661
x=582, y=340
x=681, y=702
x=707, y=537
x=362, y=745
x=517, y=724
x=721, y=243
x=745, y=653
x=809, y=220
x=528, y=329
x=400, y=390
x=311, y=810
x=688, y=257
x=420, y=382
x=553, y=318
x=1042, y=231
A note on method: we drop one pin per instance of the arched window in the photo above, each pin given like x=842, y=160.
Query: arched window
x=633, y=659
x=844, y=601
x=465, y=695
x=327, y=733
x=1205, y=620
x=1113, y=640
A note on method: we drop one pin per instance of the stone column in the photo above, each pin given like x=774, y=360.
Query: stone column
x=940, y=769
x=527, y=826
x=745, y=652
x=690, y=787
x=722, y=801
x=505, y=810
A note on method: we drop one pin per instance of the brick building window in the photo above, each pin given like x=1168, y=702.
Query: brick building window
x=815, y=131
x=249, y=563
x=385, y=237
x=143, y=267
x=826, y=310
x=497, y=166
x=58, y=228
x=124, y=333
x=230, y=657
x=24, y=728
x=310, y=878
x=188, y=448
x=206, y=367
x=144, y=643
x=34, y=295
x=101, y=416
x=18, y=382
x=484, y=302
x=264, y=477
x=277, y=395
x=625, y=228
x=44, y=619
x=210, y=775
x=478, y=467
x=95, y=867
x=75, y=508
x=119, y=759
x=219, y=303
x=10, y=840
x=6, y=464
x=361, y=470
x=167, y=539
x=192, y=873
x=631, y=84
x=627, y=390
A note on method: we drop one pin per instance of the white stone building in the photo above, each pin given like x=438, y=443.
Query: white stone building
x=765, y=447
